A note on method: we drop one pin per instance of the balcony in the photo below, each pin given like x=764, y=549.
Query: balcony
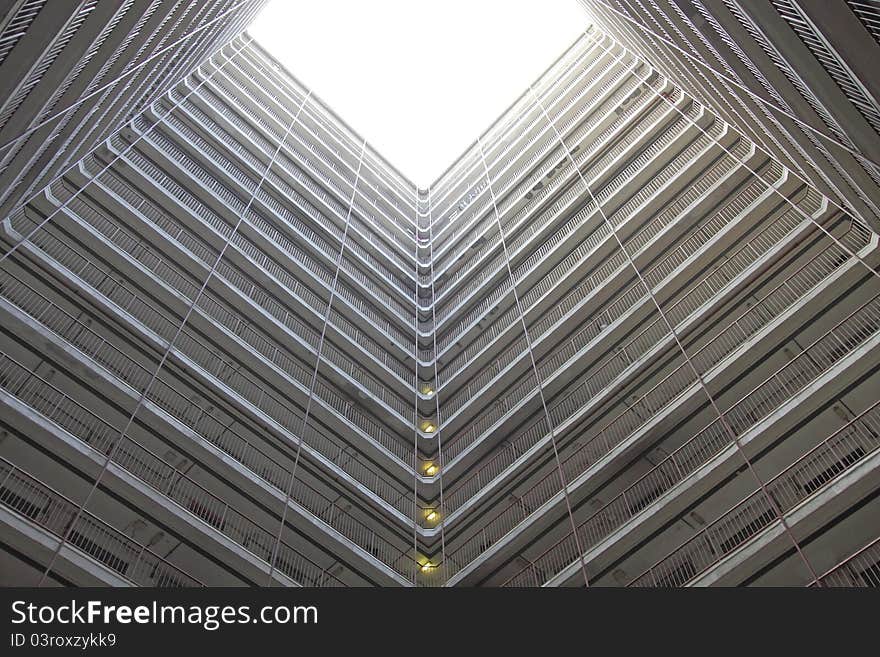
x=226, y=203
x=96, y=552
x=236, y=281
x=560, y=274
x=232, y=87
x=486, y=231
x=623, y=305
x=218, y=312
x=206, y=512
x=222, y=447
x=544, y=297
x=266, y=150
x=514, y=193
x=852, y=447
x=321, y=120
x=674, y=389
x=518, y=125
x=861, y=570
x=533, y=139
x=266, y=244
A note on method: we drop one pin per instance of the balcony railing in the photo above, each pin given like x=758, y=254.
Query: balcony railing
x=522, y=121
x=45, y=507
x=81, y=423
x=559, y=273
x=541, y=288
x=238, y=324
x=519, y=118
x=501, y=170
x=314, y=115
x=267, y=148
x=611, y=313
x=405, y=312
x=210, y=124
x=177, y=232
x=806, y=478
x=519, y=228
x=244, y=284
x=289, y=419
x=648, y=340
x=224, y=80
x=594, y=97
x=267, y=231
x=861, y=569
x=294, y=160
x=561, y=205
x=663, y=396
x=508, y=197
x=209, y=427
x=696, y=452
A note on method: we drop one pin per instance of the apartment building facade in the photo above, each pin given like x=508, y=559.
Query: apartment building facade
x=796, y=76
x=618, y=342
x=111, y=59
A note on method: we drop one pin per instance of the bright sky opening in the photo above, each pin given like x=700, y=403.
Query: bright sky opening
x=419, y=80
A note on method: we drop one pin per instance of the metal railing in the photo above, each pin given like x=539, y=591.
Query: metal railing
x=265, y=230
x=222, y=311
x=350, y=145
x=214, y=101
x=572, y=89
x=404, y=312
x=861, y=569
x=225, y=79
x=210, y=124
x=375, y=172
x=101, y=436
x=210, y=427
x=267, y=148
x=557, y=275
x=675, y=386
x=239, y=325
x=47, y=508
x=613, y=312
x=478, y=311
x=533, y=226
x=807, y=477
x=175, y=231
x=517, y=124
x=504, y=172
x=609, y=142
x=510, y=177
x=542, y=287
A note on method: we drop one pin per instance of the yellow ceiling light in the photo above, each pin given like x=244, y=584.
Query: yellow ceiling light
x=431, y=515
x=427, y=567
x=428, y=426
x=427, y=389
x=431, y=469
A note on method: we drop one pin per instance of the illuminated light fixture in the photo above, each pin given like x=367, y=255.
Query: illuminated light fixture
x=431, y=469
x=428, y=426
x=427, y=567
x=432, y=515
x=427, y=389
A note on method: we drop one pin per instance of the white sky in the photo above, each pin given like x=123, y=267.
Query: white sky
x=372, y=61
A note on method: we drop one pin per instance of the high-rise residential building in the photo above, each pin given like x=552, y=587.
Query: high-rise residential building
x=111, y=59
x=798, y=77
x=619, y=341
